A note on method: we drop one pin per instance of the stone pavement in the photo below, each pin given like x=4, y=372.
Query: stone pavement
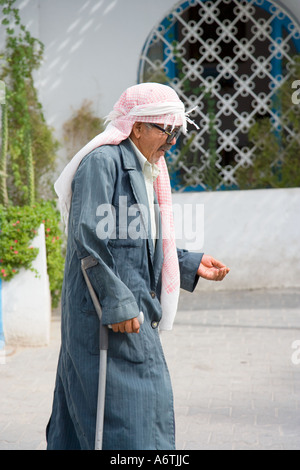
x=236, y=376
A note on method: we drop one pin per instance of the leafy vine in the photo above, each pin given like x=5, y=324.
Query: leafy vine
x=28, y=151
x=31, y=147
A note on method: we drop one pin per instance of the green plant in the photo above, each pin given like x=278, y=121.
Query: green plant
x=3, y=154
x=81, y=128
x=29, y=189
x=211, y=177
x=276, y=162
x=19, y=226
x=28, y=152
x=31, y=145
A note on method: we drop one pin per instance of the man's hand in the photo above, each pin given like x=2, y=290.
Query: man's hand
x=127, y=326
x=212, y=269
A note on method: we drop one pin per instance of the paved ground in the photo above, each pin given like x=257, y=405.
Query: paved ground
x=230, y=357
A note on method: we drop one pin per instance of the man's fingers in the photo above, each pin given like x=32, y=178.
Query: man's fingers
x=217, y=264
x=127, y=326
x=135, y=325
x=222, y=273
x=122, y=327
x=132, y=326
x=215, y=274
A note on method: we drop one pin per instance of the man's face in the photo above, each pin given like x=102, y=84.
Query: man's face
x=151, y=142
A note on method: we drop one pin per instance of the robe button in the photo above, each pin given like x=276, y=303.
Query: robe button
x=154, y=324
x=153, y=295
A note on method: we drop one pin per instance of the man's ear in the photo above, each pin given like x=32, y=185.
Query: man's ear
x=136, y=130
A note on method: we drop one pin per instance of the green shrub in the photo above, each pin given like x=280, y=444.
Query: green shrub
x=18, y=227
x=276, y=162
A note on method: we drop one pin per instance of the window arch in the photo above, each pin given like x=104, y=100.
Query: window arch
x=229, y=58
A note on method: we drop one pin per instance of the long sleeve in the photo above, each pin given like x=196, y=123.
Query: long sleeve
x=188, y=265
x=93, y=187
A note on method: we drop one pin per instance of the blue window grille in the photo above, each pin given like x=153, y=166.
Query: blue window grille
x=263, y=53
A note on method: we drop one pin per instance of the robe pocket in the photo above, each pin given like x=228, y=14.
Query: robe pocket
x=127, y=254
x=128, y=347
x=89, y=331
x=87, y=305
x=124, y=240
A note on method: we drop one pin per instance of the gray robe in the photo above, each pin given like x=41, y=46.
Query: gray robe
x=127, y=279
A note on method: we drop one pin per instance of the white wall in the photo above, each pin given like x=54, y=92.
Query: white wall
x=92, y=51
x=291, y=6
x=256, y=233
x=26, y=302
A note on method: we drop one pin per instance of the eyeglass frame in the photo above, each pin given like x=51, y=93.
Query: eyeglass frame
x=171, y=135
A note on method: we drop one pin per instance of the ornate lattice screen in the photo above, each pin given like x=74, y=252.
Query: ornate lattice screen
x=228, y=57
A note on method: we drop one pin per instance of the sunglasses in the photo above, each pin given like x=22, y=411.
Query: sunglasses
x=171, y=135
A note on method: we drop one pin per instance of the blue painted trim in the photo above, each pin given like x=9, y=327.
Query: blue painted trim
x=284, y=22
x=276, y=70
x=170, y=36
x=276, y=62
x=265, y=5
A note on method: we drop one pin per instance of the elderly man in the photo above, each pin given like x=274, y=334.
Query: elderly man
x=119, y=174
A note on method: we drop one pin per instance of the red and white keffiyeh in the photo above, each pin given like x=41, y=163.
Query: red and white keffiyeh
x=147, y=102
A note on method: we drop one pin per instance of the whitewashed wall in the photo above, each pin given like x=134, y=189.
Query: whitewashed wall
x=292, y=6
x=26, y=302
x=256, y=233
